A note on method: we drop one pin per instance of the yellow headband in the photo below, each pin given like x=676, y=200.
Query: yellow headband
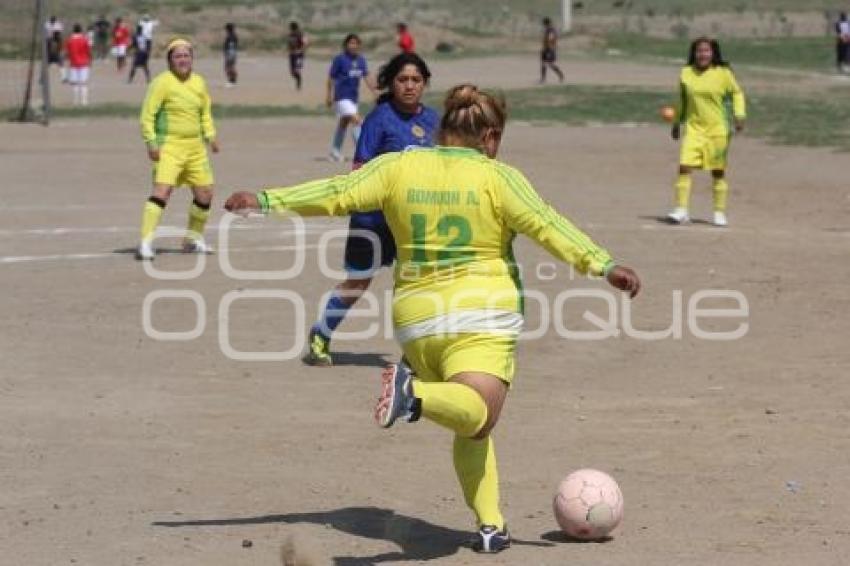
x=179, y=42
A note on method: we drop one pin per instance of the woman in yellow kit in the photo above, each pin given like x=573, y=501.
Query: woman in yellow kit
x=708, y=88
x=176, y=124
x=454, y=211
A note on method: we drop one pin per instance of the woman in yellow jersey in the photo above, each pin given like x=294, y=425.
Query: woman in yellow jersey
x=454, y=211
x=712, y=104
x=177, y=125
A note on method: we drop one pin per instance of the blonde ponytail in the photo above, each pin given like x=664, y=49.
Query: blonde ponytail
x=468, y=113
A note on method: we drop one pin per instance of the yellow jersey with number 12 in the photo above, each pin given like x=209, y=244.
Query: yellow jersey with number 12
x=454, y=214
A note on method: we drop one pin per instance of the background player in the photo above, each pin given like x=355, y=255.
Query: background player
x=707, y=87
x=176, y=122
x=343, y=91
x=230, y=49
x=53, y=29
x=148, y=26
x=398, y=121
x=79, y=61
x=454, y=211
x=842, y=42
x=549, y=53
x=405, y=40
x=101, y=37
x=120, y=42
x=141, y=55
x=296, y=46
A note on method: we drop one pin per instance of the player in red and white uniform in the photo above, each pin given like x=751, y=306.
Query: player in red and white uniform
x=405, y=39
x=79, y=61
x=120, y=42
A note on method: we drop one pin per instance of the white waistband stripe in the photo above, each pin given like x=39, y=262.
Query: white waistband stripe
x=488, y=321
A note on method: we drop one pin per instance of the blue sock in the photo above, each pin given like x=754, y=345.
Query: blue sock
x=355, y=133
x=339, y=137
x=333, y=314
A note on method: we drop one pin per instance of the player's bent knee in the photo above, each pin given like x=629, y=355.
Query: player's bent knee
x=161, y=192
x=485, y=430
x=494, y=409
x=493, y=392
x=202, y=196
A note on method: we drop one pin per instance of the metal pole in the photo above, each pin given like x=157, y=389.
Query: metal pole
x=566, y=15
x=24, y=114
x=41, y=9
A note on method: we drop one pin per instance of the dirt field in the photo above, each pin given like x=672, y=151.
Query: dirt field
x=121, y=449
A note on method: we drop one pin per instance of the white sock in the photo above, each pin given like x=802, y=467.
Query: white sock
x=76, y=94
x=84, y=95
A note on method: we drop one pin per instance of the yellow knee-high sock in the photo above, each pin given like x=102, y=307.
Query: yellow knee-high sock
x=455, y=406
x=475, y=464
x=683, y=191
x=198, y=217
x=721, y=193
x=150, y=217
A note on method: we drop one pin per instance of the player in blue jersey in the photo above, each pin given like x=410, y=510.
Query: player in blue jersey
x=343, y=91
x=398, y=121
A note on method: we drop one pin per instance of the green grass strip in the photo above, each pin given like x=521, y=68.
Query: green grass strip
x=815, y=54
x=821, y=120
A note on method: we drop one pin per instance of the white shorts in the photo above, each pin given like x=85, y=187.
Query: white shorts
x=345, y=108
x=119, y=50
x=78, y=75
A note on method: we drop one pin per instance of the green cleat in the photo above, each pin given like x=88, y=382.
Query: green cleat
x=318, y=350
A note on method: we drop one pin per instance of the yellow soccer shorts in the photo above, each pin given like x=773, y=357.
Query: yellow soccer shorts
x=183, y=164
x=438, y=358
x=704, y=152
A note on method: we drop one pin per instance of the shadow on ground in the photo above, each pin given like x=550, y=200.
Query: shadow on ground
x=563, y=538
x=362, y=359
x=668, y=222
x=417, y=539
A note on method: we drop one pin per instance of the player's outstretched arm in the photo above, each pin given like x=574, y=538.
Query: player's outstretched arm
x=739, y=102
x=526, y=213
x=361, y=190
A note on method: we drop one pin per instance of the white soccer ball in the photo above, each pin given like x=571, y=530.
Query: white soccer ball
x=588, y=504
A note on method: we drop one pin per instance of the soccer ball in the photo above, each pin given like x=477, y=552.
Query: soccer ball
x=588, y=504
x=668, y=113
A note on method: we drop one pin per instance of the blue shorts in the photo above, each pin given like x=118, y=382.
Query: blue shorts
x=360, y=251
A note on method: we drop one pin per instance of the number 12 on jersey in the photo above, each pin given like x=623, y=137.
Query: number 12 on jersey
x=449, y=226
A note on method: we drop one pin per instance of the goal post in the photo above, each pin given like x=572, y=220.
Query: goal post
x=566, y=16
x=24, y=82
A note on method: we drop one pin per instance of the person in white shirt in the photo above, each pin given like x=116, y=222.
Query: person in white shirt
x=842, y=42
x=148, y=26
x=53, y=25
x=54, y=42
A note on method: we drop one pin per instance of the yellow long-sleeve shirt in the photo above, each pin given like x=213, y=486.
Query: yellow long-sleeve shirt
x=706, y=98
x=454, y=214
x=176, y=110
